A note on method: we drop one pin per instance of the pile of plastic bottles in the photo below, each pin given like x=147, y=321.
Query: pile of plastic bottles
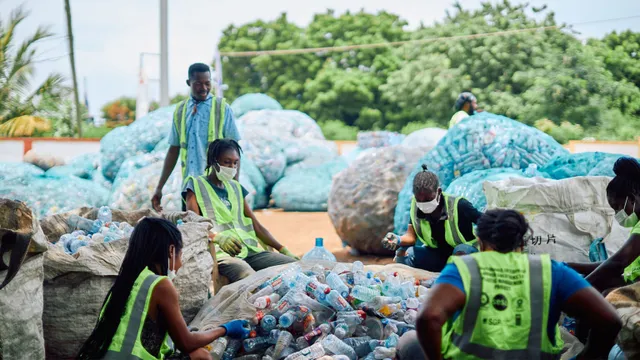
x=253, y=102
x=342, y=313
x=480, y=142
x=582, y=164
x=426, y=138
x=375, y=139
x=86, y=232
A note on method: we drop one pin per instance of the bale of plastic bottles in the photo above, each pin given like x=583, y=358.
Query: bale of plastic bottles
x=251, y=177
x=307, y=189
x=75, y=286
x=581, y=164
x=141, y=137
x=363, y=197
x=480, y=142
x=253, y=102
x=308, y=310
x=17, y=172
x=287, y=123
x=470, y=186
x=426, y=138
x=270, y=160
x=52, y=195
x=376, y=139
x=21, y=302
x=134, y=191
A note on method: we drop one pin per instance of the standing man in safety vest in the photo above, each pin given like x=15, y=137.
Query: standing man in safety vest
x=441, y=225
x=503, y=304
x=197, y=122
x=466, y=105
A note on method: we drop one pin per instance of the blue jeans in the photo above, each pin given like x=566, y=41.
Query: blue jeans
x=430, y=259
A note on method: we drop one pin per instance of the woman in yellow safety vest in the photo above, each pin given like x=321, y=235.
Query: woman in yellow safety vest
x=241, y=241
x=441, y=225
x=623, y=194
x=142, y=308
x=503, y=304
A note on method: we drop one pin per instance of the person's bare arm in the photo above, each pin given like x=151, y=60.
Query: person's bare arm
x=614, y=266
x=262, y=233
x=192, y=202
x=589, y=306
x=186, y=341
x=409, y=238
x=442, y=303
x=169, y=164
x=584, y=268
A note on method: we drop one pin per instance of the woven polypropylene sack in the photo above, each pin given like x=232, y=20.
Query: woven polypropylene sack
x=140, y=137
x=270, y=160
x=363, y=197
x=581, y=164
x=307, y=189
x=135, y=191
x=52, y=195
x=253, y=102
x=250, y=173
x=480, y=142
x=426, y=138
x=626, y=300
x=289, y=123
x=231, y=302
x=75, y=286
x=375, y=139
x=469, y=185
x=566, y=216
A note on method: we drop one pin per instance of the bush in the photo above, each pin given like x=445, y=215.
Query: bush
x=415, y=126
x=337, y=130
x=563, y=133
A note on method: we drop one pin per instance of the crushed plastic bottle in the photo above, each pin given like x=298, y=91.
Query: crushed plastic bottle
x=313, y=352
x=390, y=342
x=218, y=347
x=268, y=322
x=257, y=343
x=283, y=340
x=338, y=347
x=338, y=302
x=319, y=252
x=232, y=349
x=266, y=301
x=104, y=214
x=264, y=292
x=364, y=293
x=359, y=344
x=336, y=283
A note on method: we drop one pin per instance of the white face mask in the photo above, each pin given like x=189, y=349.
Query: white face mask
x=430, y=206
x=625, y=220
x=172, y=272
x=226, y=173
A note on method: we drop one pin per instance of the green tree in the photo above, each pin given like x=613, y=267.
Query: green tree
x=122, y=109
x=17, y=66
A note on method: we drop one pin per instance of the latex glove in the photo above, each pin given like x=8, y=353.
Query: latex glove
x=237, y=329
x=285, y=251
x=229, y=244
x=391, y=241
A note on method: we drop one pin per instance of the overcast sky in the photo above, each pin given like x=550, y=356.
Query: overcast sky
x=111, y=34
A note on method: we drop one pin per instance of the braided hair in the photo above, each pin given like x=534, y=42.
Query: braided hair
x=425, y=180
x=626, y=183
x=217, y=148
x=505, y=230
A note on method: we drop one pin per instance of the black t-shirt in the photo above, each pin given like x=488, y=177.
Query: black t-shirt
x=222, y=193
x=467, y=216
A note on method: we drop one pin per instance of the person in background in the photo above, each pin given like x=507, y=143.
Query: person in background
x=240, y=238
x=623, y=267
x=503, y=304
x=197, y=122
x=466, y=105
x=441, y=225
x=142, y=307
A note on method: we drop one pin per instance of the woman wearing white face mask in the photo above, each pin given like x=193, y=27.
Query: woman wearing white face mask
x=142, y=307
x=623, y=193
x=441, y=225
x=240, y=239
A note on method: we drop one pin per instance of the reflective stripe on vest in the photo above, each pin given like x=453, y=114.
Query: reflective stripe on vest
x=453, y=236
x=134, y=323
x=470, y=316
x=227, y=220
x=215, y=130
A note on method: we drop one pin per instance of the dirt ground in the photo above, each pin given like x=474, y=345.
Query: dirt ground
x=298, y=231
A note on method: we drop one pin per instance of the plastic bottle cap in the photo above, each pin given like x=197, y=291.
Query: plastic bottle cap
x=319, y=242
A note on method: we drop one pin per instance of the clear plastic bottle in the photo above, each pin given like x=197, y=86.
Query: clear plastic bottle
x=390, y=342
x=283, y=341
x=340, y=268
x=336, y=283
x=380, y=301
x=76, y=222
x=399, y=324
x=319, y=271
x=218, y=347
x=287, y=319
x=412, y=303
x=338, y=347
x=313, y=352
x=268, y=323
x=266, y=301
x=364, y=293
x=319, y=252
x=531, y=170
x=232, y=349
x=301, y=343
x=320, y=330
x=268, y=290
x=407, y=289
x=385, y=353
x=104, y=214
x=352, y=318
x=359, y=344
x=411, y=316
x=257, y=343
x=248, y=357
x=338, y=302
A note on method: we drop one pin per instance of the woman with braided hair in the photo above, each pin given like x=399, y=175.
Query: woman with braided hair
x=623, y=194
x=501, y=303
x=441, y=225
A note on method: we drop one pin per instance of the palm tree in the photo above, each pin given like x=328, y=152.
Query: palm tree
x=17, y=66
x=67, y=8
